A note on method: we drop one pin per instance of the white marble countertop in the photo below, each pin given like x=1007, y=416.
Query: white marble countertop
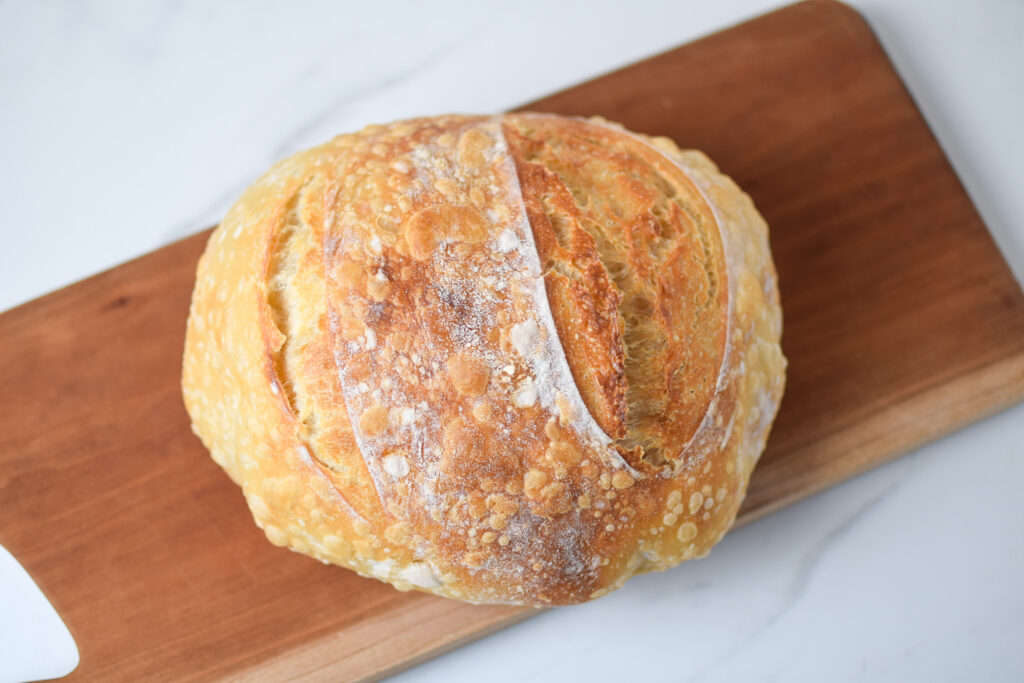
x=125, y=126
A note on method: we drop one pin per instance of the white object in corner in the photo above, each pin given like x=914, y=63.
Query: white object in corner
x=34, y=643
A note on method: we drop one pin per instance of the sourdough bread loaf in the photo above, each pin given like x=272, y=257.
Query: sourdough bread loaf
x=507, y=359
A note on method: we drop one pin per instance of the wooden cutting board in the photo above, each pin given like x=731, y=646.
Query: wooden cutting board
x=902, y=324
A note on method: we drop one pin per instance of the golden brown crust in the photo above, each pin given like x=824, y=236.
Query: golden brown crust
x=503, y=359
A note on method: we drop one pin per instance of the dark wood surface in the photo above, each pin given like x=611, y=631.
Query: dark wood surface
x=902, y=323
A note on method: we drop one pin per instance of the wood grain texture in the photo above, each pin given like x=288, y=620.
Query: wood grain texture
x=902, y=323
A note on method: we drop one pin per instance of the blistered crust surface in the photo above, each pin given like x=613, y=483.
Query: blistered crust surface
x=503, y=359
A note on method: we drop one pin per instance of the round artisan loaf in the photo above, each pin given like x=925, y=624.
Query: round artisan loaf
x=509, y=359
